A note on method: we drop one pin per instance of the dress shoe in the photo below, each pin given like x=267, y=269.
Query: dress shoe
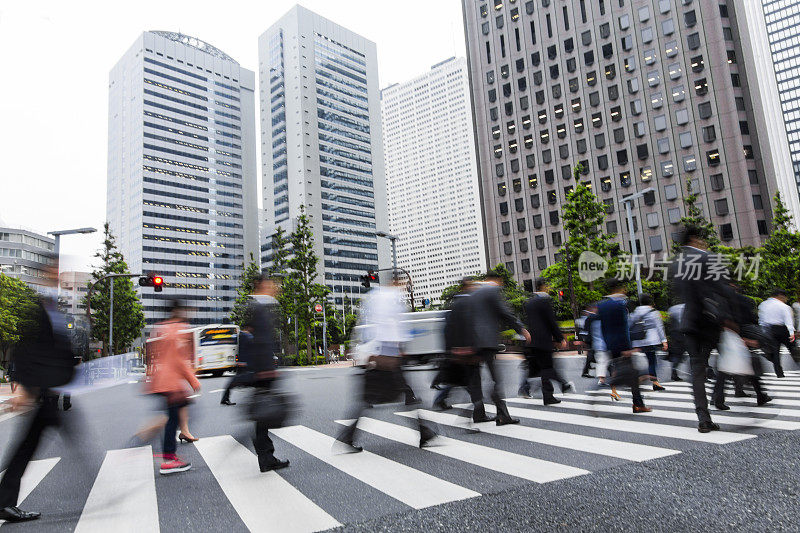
x=721, y=407
x=271, y=463
x=442, y=406
x=741, y=394
x=705, y=427
x=779, y=374
x=676, y=377
x=426, y=434
x=227, y=402
x=641, y=409
x=506, y=421
x=567, y=387
x=484, y=419
x=657, y=386
x=551, y=401
x=524, y=394
x=763, y=399
x=15, y=514
x=413, y=401
x=186, y=438
x=586, y=375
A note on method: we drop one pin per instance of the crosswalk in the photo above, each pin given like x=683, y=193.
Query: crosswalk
x=582, y=434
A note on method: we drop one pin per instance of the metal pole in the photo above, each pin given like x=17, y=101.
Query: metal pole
x=324, y=331
x=629, y=212
x=57, y=250
x=111, y=321
x=394, y=257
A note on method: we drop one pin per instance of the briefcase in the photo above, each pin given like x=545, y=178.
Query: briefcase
x=270, y=408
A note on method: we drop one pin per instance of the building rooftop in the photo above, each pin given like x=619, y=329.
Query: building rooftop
x=194, y=42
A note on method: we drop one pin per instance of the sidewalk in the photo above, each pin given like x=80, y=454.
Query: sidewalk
x=5, y=392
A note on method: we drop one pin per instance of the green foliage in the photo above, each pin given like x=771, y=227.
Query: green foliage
x=128, y=315
x=780, y=255
x=239, y=314
x=694, y=217
x=17, y=312
x=513, y=293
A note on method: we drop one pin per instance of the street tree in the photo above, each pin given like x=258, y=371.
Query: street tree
x=780, y=254
x=17, y=313
x=128, y=314
x=251, y=272
x=694, y=217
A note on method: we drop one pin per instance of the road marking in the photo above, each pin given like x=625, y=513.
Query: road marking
x=512, y=464
x=630, y=426
x=790, y=392
x=123, y=497
x=216, y=390
x=194, y=395
x=264, y=501
x=34, y=474
x=414, y=488
x=672, y=415
x=581, y=443
x=729, y=398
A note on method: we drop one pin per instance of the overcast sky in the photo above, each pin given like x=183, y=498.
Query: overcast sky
x=55, y=57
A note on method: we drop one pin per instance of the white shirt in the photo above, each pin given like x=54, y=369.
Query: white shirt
x=796, y=308
x=773, y=312
x=654, y=326
x=383, y=316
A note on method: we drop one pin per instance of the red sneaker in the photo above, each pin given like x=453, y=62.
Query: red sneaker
x=173, y=465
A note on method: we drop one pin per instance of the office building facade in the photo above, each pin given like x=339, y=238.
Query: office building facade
x=72, y=289
x=432, y=178
x=27, y=256
x=321, y=145
x=181, y=171
x=642, y=93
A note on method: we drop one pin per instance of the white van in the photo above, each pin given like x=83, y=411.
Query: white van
x=426, y=332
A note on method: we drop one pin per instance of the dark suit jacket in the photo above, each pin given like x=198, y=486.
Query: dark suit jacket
x=695, y=285
x=458, y=326
x=490, y=312
x=44, y=356
x=613, y=316
x=261, y=349
x=540, y=320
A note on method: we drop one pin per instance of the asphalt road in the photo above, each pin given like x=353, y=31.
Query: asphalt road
x=584, y=465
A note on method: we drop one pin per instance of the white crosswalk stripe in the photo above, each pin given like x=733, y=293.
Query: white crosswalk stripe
x=739, y=405
x=414, y=488
x=264, y=501
x=631, y=426
x=785, y=392
x=123, y=497
x=509, y=463
x=34, y=474
x=582, y=443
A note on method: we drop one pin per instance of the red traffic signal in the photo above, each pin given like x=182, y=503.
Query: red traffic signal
x=151, y=280
x=368, y=279
x=373, y=278
x=561, y=295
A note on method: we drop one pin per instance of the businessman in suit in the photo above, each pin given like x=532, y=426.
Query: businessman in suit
x=540, y=320
x=490, y=312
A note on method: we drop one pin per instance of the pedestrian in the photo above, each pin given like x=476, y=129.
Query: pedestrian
x=545, y=333
x=753, y=337
x=706, y=310
x=653, y=336
x=170, y=374
x=259, y=349
x=490, y=311
x=775, y=316
x=675, y=339
x=241, y=376
x=582, y=326
x=614, y=322
x=10, y=376
x=601, y=355
x=460, y=360
x=383, y=380
x=42, y=360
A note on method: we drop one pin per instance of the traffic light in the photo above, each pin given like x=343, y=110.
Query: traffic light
x=561, y=295
x=370, y=278
x=152, y=280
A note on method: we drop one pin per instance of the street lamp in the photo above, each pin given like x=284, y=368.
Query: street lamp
x=628, y=201
x=392, y=238
x=57, y=235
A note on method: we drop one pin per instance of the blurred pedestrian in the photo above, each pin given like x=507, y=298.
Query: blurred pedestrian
x=675, y=339
x=706, y=310
x=382, y=314
x=260, y=347
x=170, y=374
x=653, y=336
x=545, y=333
x=614, y=322
x=583, y=327
x=776, y=317
x=460, y=360
x=10, y=376
x=42, y=360
x=490, y=311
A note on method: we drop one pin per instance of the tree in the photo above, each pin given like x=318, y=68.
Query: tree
x=128, y=315
x=239, y=313
x=780, y=254
x=584, y=217
x=694, y=217
x=513, y=293
x=17, y=308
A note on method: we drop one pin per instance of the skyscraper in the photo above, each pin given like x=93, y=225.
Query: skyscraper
x=432, y=178
x=181, y=170
x=643, y=93
x=321, y=144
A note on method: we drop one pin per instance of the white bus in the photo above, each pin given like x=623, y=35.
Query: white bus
x=426, y=337
x=216, y=348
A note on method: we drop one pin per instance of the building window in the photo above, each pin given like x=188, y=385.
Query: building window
x=608, y=204
x=537, y=223
x=675, y=71
x=753, y=177
x=660, y=122
x=611, y=227
x=605, y=33
x=507, y=248
x=633, y=85
x=704, y=110
x=656, y=100
x=613, y=92
x=503, y=208
x=627, y=43
x=701, y=87
x=619, y=135
x=553, y=218
x=671, y=192
x=693, y=41
x=499, y=170
x=762, y=227
x=674, y=215
x=712, y=157
x=735, y=80
x=625, y=179
x=652, y=220
x=678, y=94
x=717, y=182
x=600, y=140
x=526, y=267
x=656, y=243
x=668, y=27
x=624, y=22
x=721, y=207
x=710, y=134
x=690, y=18
x=664, y=6
x=671, y=48
x=556, y=236
x=663, y=145
x=689, y=163
x=653, y=78
x=541, y=262
x=636, y=107
x=647, y=34
x=535, y=202
x=520, y=224
x=501, y=189
x=602, y=162
x=682, y=116
x=698, y=64
x=505, y=228
x=642, y=151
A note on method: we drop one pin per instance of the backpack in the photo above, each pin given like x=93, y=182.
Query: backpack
x=639, y=328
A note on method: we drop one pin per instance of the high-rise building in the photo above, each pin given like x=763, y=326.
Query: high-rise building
x=182, y=170
x=72, y=289
x=642, y=93
x=321, y=144
x=27, y=256
x=432, y=178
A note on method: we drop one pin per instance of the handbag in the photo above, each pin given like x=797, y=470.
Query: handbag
x=270, y=408
x=638, y=330
x=734, y=356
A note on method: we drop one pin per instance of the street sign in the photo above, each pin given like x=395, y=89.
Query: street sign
x=318, y=308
